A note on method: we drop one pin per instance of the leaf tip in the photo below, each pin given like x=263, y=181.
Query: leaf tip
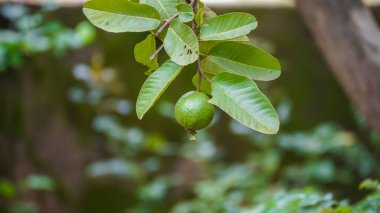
x=273, y=129
x=140, y=115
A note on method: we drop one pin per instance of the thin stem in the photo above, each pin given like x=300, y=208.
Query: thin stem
x=192, y=3
x=163, y=27
x=156, y=53
x=200, y=71
x=199, y=75
x=166, y=24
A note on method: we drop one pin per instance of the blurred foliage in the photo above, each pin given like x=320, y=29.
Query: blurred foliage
x=288, y=172
x=13, y=191
x=316, y=170
x=29, y=32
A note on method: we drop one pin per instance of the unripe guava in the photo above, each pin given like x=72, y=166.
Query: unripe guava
x=193, y=111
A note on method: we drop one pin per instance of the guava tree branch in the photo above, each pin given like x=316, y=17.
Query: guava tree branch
x=163, y=27
x=166, y=24
x=349, y=38
x=156, y=53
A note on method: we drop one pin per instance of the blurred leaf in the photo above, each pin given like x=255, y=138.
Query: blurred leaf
x=7, y=189
x=39, y=182
x=155, y=190
x=370, y=184
x=86, y=32
x=113, y=167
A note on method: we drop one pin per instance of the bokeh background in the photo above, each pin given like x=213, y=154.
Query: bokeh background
x=70, y=140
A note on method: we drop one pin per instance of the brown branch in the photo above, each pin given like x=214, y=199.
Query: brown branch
x=200, y=71
x=166, y=24
x=163, y=27
x=156, y=53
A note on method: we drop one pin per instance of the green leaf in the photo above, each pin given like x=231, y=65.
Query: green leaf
x=166, y=8
x=206, y=46
x=144, y=50
x=239, y=97
x=121, y=15
x=208, y=14
x=155, y=85
x=227, y=26
x=205, y=86
x=181, y=43
x=185, y=12
x=243, y=59
x=199, y=15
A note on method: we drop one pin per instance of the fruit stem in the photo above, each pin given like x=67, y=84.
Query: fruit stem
x=192, y=135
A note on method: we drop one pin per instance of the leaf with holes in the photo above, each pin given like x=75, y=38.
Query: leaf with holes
x=155, y=85
x=227, y=26
x=121, y=15
x=240, y=97
x=181, y=43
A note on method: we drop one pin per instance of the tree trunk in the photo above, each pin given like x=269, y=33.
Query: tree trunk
x=349, y=39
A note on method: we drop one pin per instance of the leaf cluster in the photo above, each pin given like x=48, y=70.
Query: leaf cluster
x=190, y=32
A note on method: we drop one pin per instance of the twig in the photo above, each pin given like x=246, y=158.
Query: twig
x=163, y=27
x=200, y=71
x=199, y=76
x=156, y=53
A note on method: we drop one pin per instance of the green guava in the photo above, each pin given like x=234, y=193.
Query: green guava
x=193, y=111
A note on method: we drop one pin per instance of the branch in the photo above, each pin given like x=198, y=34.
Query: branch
x=200, y=71
x=156, y=53
x=163, y=27
x=166, y=24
